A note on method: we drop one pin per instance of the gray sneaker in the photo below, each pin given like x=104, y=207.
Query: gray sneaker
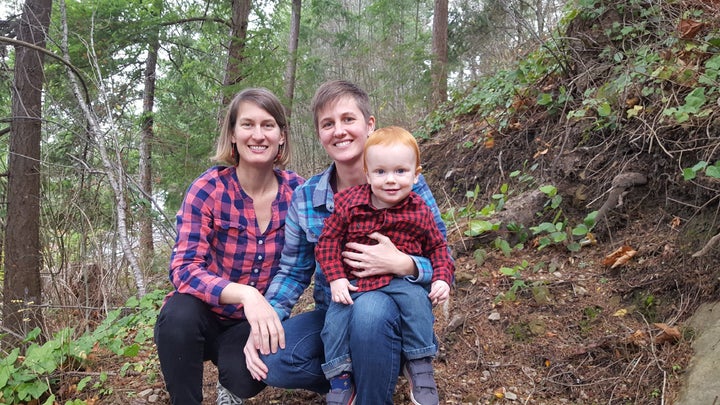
x=419, y=373
x=225, y=397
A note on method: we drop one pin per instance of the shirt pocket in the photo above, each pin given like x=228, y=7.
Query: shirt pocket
x=230, y=231
x=313, y=232
x=360, y=227
x=363, y=223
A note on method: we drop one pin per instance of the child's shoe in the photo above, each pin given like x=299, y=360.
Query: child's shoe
x=342, y=390
x=419, y=373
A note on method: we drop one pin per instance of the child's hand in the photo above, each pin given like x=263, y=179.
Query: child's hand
x=439, y=292
x=340, y=290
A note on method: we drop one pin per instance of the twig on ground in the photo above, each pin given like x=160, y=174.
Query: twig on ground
x=708, y=246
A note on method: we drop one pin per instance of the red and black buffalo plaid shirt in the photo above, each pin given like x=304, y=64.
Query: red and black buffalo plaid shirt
x=410, y=225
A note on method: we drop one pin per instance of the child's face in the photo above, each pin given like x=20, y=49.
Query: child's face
x=391, y=173
x=343, y=130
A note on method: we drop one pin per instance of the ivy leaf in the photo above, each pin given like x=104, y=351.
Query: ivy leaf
x=695, y=100
x=604, y=109
x=713, y=171
x=545, y=99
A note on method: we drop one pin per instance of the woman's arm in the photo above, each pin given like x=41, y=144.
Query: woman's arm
x=297, y=265
x=191, y=254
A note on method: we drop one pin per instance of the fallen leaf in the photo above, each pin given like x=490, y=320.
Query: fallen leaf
x=620, y=312
x=689, y=28
x=540, y=153
x=669, y=334
x=619, y=257
x=675, y=223
x=499, y=393
x=638, y=338
x=632, y=102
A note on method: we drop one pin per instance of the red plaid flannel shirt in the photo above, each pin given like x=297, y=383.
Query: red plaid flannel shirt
x=409, y=224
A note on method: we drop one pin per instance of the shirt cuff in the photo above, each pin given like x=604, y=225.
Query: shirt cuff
x=424, y=268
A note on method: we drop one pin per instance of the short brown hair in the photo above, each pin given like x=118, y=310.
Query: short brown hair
x=331, y=91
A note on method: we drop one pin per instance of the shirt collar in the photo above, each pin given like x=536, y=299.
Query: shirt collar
x=323, y=194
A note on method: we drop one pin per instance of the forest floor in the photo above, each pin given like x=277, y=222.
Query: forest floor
x=577, y=329
x=592, y=336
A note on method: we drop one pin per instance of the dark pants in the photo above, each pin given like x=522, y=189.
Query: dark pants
x=187, y=333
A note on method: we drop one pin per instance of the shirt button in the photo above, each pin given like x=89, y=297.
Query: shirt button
x=259, y=257
x=252, y=283
x=260, y=242
x=256, y=270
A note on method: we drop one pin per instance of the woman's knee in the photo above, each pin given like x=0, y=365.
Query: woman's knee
x=180, y=316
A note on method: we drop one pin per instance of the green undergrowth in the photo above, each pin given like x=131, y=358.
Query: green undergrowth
x=31, y=372
x=654, y=72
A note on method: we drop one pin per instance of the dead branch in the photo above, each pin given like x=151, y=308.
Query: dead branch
x=620, y=185
x=708, y=246
x=62, y=60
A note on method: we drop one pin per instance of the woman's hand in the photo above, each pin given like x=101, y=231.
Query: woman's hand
x=267, y=331
x=257, y=368
x=373, y=260
x=439, y=292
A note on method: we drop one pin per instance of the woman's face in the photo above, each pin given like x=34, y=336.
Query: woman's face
x=256, y=134
x=343, y=130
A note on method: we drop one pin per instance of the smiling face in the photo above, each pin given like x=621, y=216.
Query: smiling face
x=256, y=135
x=343, y=130
x=391, y=172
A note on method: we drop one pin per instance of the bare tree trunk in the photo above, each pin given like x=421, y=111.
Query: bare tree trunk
x=236, y=49
x=292, y=51
x=440, y=52
x=147, y=245
x=22, y=287
x=113, y=167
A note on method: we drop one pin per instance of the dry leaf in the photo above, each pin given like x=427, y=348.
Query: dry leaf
x=540, y=153
x=489, y=143
x=620, y=312
x=619, y=257
x=675, y=222
x=638, y=338
x=669, y=334
x=689, y=28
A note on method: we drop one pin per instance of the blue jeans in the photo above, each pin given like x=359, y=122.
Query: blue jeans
x=416, y=325
x=375, y=324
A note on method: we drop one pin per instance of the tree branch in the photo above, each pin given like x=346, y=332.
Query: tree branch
x=712, y=242
x=75, y=70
